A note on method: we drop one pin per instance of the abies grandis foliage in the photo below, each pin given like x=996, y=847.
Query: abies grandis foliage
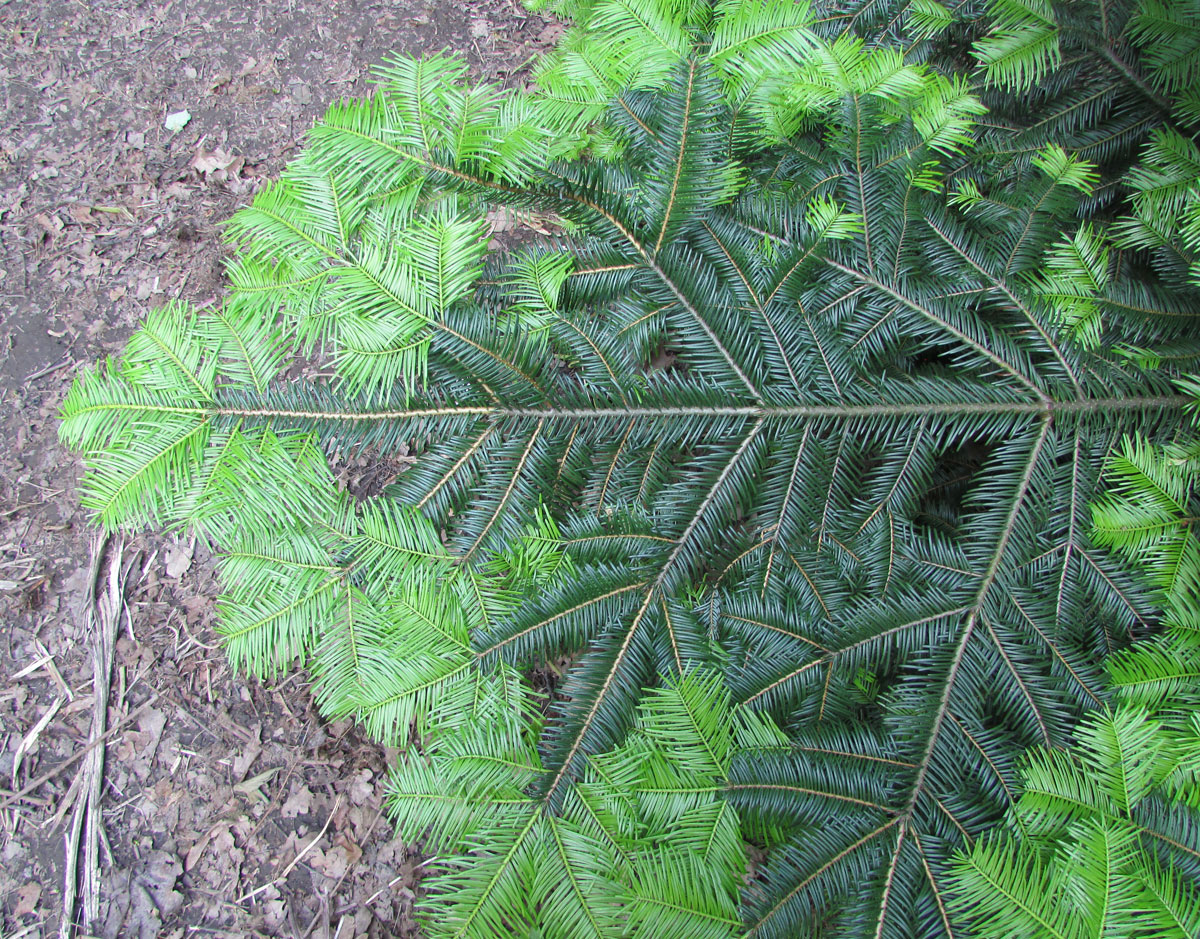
x=746, y=544
x=1102, y=840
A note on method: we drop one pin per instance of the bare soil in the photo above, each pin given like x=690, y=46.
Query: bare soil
x=214, y=784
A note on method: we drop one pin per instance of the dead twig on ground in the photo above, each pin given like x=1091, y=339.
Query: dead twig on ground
x=298, y=858
x=30, y=739
x=104, y=614
x=58, y=366
x=24, y=792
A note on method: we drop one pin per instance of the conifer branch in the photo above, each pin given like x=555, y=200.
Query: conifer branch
x=698, y=455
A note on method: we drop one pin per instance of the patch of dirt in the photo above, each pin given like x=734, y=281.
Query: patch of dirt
x=229, y=808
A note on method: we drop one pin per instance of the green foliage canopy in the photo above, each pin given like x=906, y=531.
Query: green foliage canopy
x=783, y=452
x=1102, y=839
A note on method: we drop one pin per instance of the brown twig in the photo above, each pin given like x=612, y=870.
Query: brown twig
x=75, y=758
x=65, y=362
x=296, y=860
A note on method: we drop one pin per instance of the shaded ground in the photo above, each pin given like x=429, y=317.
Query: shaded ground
x=214, y=785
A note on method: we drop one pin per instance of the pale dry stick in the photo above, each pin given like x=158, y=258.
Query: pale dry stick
x=55, y=673
x=187, y=632
x=391, y=883
x=350, y=868
x=111, y=608
x=30, y=738
x=58, y=366
x=24, y=792
x=31, y=667
x=296, y=860
x=65, y=805
x=338, y=886
x=104, y=613
x=71, y=877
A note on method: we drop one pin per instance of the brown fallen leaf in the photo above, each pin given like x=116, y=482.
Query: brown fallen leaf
x=179, y=559
x=244, y=757
x=27, y=899
x=50, y=224
x=140, y=898
x=332, y=863
x=362, y=789
x=218, y=164
x=196, y=851
x=252, y=787
x=353, y=851
x=298, y=803
x=206, y=162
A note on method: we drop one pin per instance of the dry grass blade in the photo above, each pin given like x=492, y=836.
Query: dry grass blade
x=31, y=738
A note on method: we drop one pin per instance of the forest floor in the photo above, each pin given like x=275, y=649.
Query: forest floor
x=228, y=807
